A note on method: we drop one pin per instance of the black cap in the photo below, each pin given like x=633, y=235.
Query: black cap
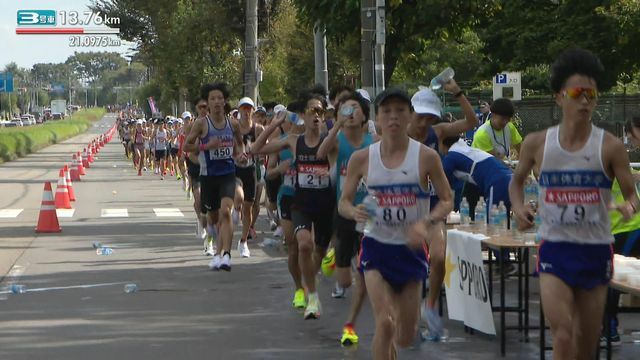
x=392, y=93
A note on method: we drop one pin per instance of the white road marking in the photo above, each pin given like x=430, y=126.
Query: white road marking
x=168, y=212
x=114, y=213
x=9, y=213
x=65, y=213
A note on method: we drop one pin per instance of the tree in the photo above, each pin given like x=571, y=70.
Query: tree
x=409, y=22
x=526, y=34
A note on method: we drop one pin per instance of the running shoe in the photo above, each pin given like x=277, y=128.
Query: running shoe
x=338, y=292
x=139, y=173
x=172, y=172
x=278, y=232
x=328, y=265
x=145, y=169
x=434, y=323
x=215, y=263
x=313, y=307
x=243, y=249
x=299, y=301
x=349, y=336
x=178, y=177
x=225, y=264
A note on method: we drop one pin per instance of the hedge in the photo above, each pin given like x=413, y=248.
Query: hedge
x=20, y=141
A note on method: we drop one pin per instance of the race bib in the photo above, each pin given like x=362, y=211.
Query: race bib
x=571, y=206
x=311, y=176
x=224, y=152
x=396, y=210
x=289, y=178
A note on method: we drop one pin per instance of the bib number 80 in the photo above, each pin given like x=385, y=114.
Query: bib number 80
x=388, y=214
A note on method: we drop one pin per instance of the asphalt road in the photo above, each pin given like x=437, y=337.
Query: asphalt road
x=76, y=307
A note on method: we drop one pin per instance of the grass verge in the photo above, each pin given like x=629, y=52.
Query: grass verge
x=20, y=141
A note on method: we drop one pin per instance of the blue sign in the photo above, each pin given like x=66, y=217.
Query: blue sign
x=501, y=79
x=36, y=17
x=6, y=82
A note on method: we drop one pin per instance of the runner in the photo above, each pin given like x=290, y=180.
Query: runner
x=160, y=137
x=576, y=161
x=397, y=171
x=313, y=202
x=139, y=137
x=220, y=143
x=346, y=137
x=246, y=172
x=423, y=128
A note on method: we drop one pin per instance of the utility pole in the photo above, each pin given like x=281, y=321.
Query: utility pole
x=379, y=46
x=320, y=50
x=251, y=51
x=368, y=29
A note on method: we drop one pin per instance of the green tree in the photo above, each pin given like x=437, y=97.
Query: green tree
x=409, y=22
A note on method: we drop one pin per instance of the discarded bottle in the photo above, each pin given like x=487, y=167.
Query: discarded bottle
x=130, y=288
x=268, y=242
x=464, y=212
x=103, y=250
x=18, y=289
x=97, y=244
x=371, y=204
x=444, y=77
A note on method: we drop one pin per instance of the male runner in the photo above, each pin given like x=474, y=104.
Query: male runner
x=313, y=202
x=346, y=137
x=220, y=143
x=397, y=171
x=577, y=163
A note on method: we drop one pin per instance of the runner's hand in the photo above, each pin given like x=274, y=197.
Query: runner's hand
x=451, y=87
x=280, y=118
x=283, y=166
x=524, y=217
x=626, y=209
x=360, y=214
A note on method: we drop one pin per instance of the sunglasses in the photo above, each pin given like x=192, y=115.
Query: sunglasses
x=577, y=92
x=315, y=111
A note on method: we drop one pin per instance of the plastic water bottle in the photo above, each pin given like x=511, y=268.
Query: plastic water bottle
x=464, y=212
x=18, y=289
x=268, y=242
x=130, y=288
x=502, y=212
x=371, y=204
x=103, y=250
x=481, y=214
x=444, y=77
x=494, y=220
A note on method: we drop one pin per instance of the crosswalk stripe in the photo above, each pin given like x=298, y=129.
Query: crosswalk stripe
x=168, y=212
x=9, y=213
x=114, y=213
x=65, y=213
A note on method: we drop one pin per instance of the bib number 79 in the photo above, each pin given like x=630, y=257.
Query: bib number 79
x=567, y=217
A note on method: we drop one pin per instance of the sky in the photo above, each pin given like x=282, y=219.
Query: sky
x=26, y=50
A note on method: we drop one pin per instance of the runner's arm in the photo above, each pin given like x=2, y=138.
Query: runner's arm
x=470, y=119
x=434, y=171
x=355, y=171
x=619, y=160
x=194, y=134
x=238, y=143
x=523, y=214
x=329, y=145
x=260, y=146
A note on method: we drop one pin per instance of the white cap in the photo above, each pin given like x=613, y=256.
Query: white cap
x=426, y=101
x=278, y=108
x=364, y=93
x=246, y=101
x=186, y=114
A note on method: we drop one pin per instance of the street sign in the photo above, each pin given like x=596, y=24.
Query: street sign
x=507, y=85
x=6, y=82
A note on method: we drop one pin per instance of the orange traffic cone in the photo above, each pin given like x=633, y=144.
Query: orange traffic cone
x=75, y=174
x=85, y=159
x=62, y=193
x=67, y=178
x=93, y=147
x=81, y=165
x=90, y=153
x=48, y=219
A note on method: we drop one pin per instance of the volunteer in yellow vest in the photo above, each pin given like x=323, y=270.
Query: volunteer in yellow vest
x=498, y=136
x=626, y=233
